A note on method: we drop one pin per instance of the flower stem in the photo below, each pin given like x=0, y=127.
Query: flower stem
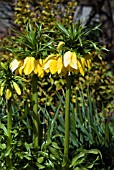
x=67, y=120
x=35, y=112
x=9, y=139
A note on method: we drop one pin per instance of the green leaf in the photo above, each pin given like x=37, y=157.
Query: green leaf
x=2, y=126
x=3, y=66
x=8, y=152
x=40, y=166
x=75, y=159
x=55, y=152
x=77, y=168
x=62, y=29
x=40, y=159
x=3, y=146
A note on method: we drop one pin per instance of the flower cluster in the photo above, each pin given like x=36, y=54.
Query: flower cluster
x=27, y=66
x=68, y=63
x=54, y=63
x=9, y=82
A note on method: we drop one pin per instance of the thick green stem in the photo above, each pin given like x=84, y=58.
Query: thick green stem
x=67, y=120
x=35, y=112
x=9, y=139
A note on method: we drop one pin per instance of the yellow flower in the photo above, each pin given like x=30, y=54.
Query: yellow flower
x=39, y=64
x=20, y=68
x=67, y=64
x=81, y=66
x=1, y=89
x=29, y=65
x=8, y=94
x=15, y=64
x=36, y=66
x=88, y=60
x=54, y=64
x=40, y=68
x=83, y=62
x=61, y=44
x=70, y=59
x=50, y=63
x=59, y=65
x=47, y=61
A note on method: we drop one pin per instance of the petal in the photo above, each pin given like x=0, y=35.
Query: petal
x=41, y=73
x=20, y=70
x=29, y=65
x=81, y=68
x=14, y=64
x=47, y=61
x=67, y=58
x=53, y=66
x=74, y=61
x=89, y=64
x=40, y=69
x=83, y=61
x=59, y=65
x=36, y=66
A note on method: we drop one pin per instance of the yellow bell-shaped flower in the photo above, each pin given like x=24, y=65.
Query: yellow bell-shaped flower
x=39, y=64
x=88, y=62
x=15, y=64
x=70, y=59
x=40, y=68
x=59, y=65
x=53, y=66
x=81, y=66
x=47, y=61
x=29, y=65
x=8, y=94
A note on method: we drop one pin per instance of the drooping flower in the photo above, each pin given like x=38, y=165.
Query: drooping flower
x=14, y=64
x=8, y=94
x=70, y=59
x=59, y=65
x=17, y=65
x=68, y=63
x=29, y=65
x=54, y=64
x=20, y=68
x=81, y=66
x=88, y=58
x=39, y=64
